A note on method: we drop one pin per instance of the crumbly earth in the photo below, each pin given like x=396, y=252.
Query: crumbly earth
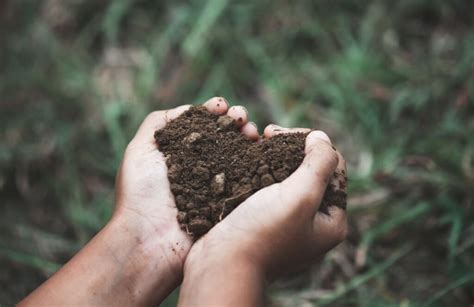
x=213, y=167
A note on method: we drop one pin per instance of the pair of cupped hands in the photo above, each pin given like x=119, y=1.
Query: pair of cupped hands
x=145, y=254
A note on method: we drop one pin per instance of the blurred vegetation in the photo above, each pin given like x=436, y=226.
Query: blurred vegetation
x=391, y=81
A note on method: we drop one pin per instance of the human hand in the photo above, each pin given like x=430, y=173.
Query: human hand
x=143, y=196
x=137, y=258
x=276, y=230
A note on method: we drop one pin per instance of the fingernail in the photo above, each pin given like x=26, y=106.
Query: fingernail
x=317, y=135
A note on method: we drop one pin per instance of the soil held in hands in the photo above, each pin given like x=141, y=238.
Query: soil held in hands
x=213, y=167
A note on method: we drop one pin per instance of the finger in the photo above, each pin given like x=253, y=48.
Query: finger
x=239, y=114
x=217, y=105
x=339, y=178
x=155, y=121
x=332, y=225
x=336, y=216
x=336, y=193
x=272, y=130
x=308, y=183
x=250, y=130
x=334, y=221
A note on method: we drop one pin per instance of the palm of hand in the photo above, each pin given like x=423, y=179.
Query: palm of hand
x=280, y=226
x=274, y=216
x=143, y=189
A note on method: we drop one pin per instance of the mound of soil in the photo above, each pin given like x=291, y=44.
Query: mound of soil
x=213, y=167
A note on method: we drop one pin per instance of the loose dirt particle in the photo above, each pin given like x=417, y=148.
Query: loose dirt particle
x=225, y=121
x=267, y=180
x=213, y=167
x=218, y=184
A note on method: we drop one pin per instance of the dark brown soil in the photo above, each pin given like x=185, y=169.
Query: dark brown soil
x=213, y=167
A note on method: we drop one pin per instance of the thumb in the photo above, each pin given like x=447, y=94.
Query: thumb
x=156, y=120
x=308, y=183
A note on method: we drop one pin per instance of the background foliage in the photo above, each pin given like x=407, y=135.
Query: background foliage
x=391, y=81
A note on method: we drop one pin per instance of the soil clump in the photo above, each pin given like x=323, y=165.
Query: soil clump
x=213, y=167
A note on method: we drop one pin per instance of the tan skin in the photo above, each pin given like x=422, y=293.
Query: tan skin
x=139, y=257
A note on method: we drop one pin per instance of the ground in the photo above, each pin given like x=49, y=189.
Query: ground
x=392, y=82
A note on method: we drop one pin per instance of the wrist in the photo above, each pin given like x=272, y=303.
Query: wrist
x=149, y=238
x=119, y=266
x=213, y=256
x=226, y=245
x=217, y=276
x=150, y=259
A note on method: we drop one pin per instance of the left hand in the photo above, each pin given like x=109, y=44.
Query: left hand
x=137, y=259
x=143, y=196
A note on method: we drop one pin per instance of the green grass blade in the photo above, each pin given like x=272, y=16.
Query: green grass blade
x=464, y=280
x=394, y=222
x=30, y=260
x=113, y=16
x=208, y=17
x=361, y=279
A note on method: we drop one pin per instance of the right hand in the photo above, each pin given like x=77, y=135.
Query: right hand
x=279, y=228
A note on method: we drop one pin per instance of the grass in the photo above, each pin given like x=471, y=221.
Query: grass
x=391, y=82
